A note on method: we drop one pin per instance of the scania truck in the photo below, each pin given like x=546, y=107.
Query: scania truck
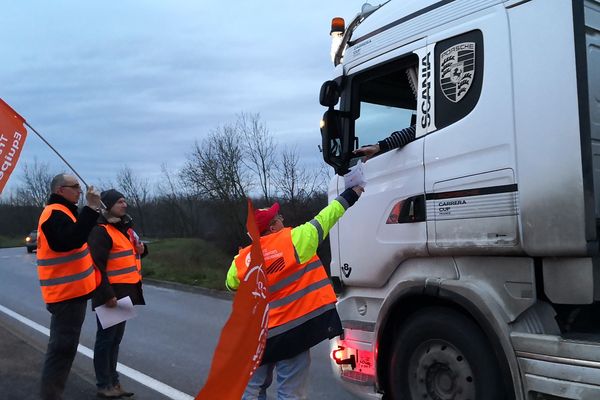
x=470, y=267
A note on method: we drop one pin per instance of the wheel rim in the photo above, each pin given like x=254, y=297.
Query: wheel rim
x=439, y=371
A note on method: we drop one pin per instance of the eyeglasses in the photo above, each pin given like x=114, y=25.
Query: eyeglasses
x=74, y=186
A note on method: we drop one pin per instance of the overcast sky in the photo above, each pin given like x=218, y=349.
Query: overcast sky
x=137, y=82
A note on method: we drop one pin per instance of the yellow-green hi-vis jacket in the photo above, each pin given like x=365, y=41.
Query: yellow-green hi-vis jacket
x=311, y=317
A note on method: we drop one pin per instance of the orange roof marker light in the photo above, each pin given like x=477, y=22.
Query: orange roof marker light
x=340, y=35
x=338, y=27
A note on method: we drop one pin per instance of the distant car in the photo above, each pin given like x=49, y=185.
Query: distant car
x=31, y=241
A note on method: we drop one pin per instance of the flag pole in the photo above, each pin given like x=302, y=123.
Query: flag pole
x=57, y=153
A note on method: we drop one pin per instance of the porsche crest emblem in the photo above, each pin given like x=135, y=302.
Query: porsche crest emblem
x=457, y=69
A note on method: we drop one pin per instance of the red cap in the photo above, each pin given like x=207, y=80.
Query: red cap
x=264, y=216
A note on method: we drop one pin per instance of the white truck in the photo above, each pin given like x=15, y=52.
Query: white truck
x=470, y=267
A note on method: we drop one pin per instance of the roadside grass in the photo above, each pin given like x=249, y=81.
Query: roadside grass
x=9, y=241
x=190, y=261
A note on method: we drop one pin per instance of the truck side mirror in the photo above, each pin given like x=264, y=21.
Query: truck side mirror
x=336, y=142
x=330, y=94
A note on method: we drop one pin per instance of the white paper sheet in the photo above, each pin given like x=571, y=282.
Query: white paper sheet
x=110, y=316
x=356, y=176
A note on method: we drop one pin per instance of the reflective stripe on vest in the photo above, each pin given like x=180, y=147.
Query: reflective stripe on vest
x=123, y=265
x=297, y=292
x=63, y=275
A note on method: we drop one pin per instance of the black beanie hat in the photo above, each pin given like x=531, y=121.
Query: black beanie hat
x=110, y=197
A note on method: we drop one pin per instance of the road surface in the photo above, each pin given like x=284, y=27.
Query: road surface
x=171, y=340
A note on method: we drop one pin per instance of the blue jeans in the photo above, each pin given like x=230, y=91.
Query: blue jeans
x=292, y=379
x=106, y=354
x=65, y=328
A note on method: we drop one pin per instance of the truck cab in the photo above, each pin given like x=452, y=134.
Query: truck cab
x=469, y=268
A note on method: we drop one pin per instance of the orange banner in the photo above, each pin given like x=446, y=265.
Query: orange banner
x=244, y=336
x=12, y=139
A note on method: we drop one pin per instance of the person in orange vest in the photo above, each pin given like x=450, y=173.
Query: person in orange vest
x=67, y=275
x=302, y=302
x=117, y=251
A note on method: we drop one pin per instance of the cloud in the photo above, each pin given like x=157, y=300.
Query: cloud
x=137, y=82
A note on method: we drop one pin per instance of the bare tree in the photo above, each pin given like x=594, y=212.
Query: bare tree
x=295, y=182
x=136, y=189
x=36, y=180
x=182, y=210
x=259, y=150
x=214, y=169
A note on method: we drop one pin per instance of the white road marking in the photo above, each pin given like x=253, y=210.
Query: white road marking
x=137, y=376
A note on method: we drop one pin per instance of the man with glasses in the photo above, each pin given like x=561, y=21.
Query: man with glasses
x=302, y=309
x=67, y=275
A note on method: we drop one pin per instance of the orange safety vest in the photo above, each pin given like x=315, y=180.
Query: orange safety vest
x=64, y=275
x=298, y=292
x=123, y=265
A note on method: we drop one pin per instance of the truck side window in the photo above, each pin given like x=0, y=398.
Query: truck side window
x=384, y=100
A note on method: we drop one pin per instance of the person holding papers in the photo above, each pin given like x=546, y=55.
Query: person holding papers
x=117, y=252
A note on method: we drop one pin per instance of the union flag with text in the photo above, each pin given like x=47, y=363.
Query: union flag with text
x=244, y=336
x=12, y=139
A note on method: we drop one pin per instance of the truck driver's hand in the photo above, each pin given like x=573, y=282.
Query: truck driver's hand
x=367, y=151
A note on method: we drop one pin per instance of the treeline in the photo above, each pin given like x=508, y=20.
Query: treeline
x=206, y=198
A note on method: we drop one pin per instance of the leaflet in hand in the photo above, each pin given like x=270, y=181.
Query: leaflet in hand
x=356, y=176
x=110, y=316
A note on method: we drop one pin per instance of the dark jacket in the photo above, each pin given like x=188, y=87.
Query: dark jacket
x=303, y=337
x=100, y=244
x=63, y=234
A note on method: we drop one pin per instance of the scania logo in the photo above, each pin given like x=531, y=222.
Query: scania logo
x=457, y=68
x=425, y=91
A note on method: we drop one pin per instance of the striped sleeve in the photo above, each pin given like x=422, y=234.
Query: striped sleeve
x=398, y=139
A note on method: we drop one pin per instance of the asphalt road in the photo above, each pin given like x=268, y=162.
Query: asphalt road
x=171, y=340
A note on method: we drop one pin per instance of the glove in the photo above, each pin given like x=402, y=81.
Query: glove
x=352, y=194
x=92, y=197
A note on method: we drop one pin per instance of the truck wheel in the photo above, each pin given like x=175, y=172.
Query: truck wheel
x=30, y=249
x=441, y=354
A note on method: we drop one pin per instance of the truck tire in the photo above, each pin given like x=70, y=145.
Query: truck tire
x=440, y=354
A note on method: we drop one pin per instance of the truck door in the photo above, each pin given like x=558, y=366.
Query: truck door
x=469, y=156
x=389, y=220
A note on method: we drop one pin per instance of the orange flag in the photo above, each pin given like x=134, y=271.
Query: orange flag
x=12, y=139
x=244, y=336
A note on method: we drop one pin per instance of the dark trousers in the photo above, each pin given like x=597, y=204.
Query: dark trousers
x=106, y=354
x=65, y=328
